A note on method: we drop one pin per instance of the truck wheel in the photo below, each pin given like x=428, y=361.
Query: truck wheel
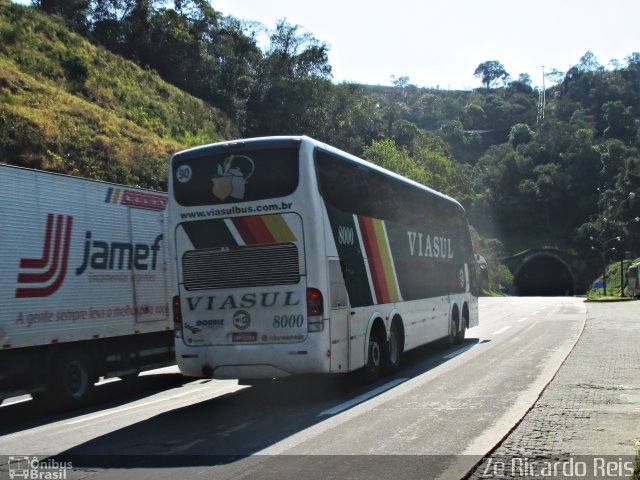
x=73, y=379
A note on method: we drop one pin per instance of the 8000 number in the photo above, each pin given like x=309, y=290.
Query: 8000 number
x=288, y=321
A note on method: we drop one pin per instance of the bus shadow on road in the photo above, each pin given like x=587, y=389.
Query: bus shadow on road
x=228, y=428
x=31, y=414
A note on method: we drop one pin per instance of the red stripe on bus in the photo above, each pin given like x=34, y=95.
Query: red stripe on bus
x=259, y=230
x=375, y=262
x=244, y=231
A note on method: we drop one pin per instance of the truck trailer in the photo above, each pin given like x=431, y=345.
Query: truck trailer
x=84, y=284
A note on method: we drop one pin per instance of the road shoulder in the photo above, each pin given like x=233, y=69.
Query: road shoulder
x=589, y=411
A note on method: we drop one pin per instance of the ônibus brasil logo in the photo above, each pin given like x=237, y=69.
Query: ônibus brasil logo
x=46, y=274
x=41, y=277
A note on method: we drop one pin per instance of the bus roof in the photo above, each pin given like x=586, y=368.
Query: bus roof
x=203, y=149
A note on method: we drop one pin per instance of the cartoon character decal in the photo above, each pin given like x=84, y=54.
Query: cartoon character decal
x=233, y=175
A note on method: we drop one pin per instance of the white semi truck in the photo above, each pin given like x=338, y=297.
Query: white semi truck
x=83, y=284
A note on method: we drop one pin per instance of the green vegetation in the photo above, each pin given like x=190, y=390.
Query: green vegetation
x=492, y=250
x=613, y=282
x=527, y=176
x=69, y=106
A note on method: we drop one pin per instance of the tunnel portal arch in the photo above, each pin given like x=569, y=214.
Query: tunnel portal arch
x=544, y=273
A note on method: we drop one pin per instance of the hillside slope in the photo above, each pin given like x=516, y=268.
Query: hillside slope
x=71, y=107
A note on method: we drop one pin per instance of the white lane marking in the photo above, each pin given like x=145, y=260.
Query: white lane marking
x=161, y=371
x=524, y=319
x=363, y=397
x=234, y=429
x=104, y=381
x=503, y=329
x=15, y=400
x=459, y=351
x=131, y=407
x=186, y=446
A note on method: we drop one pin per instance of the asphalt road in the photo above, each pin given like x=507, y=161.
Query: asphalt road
x=436, y=417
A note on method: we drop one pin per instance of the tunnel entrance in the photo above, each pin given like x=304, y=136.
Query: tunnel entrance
x=544, y=276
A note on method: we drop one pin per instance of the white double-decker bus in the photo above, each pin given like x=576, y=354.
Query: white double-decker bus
x=293, y=257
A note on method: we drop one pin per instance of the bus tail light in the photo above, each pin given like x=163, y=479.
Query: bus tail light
x=314, y=310
x=177, y=316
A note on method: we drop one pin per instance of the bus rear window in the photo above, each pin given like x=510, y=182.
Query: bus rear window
x=213, y=177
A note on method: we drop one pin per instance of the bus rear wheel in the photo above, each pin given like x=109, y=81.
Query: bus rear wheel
x=373, y=367
x=462, y=330
x=452, y=337
x=393, y=351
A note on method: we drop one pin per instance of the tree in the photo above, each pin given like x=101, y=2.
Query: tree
x=589, y=63
x=555, y=76
x=236, y=51
x=525, y=78
x=400, y=82
x=294, y=82
x=386, y=154
x=520, y=134
x=632, y=59
x=620, y=121
x=354, y=118
x=74, y=12
x=433, y=155
x=106, y=22
x=491, y=73
x=296, y=53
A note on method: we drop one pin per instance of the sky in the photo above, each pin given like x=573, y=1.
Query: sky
x=440, y=43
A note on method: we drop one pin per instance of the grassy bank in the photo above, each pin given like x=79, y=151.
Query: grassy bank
x=72, y=107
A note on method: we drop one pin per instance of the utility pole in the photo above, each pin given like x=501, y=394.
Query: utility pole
x=603, y=250
x=544, y=93
x=542, y=98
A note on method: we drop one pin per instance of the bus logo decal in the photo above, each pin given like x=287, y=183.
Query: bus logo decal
x=192, y=329
x=241, y=320
x=439, y=248
x=233, y=175
x=52, y=265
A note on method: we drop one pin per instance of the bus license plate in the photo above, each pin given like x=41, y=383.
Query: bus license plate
x=239, y=337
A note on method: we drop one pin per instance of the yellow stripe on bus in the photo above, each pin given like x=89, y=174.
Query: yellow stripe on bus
x=279, y=228
x=385, y=257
